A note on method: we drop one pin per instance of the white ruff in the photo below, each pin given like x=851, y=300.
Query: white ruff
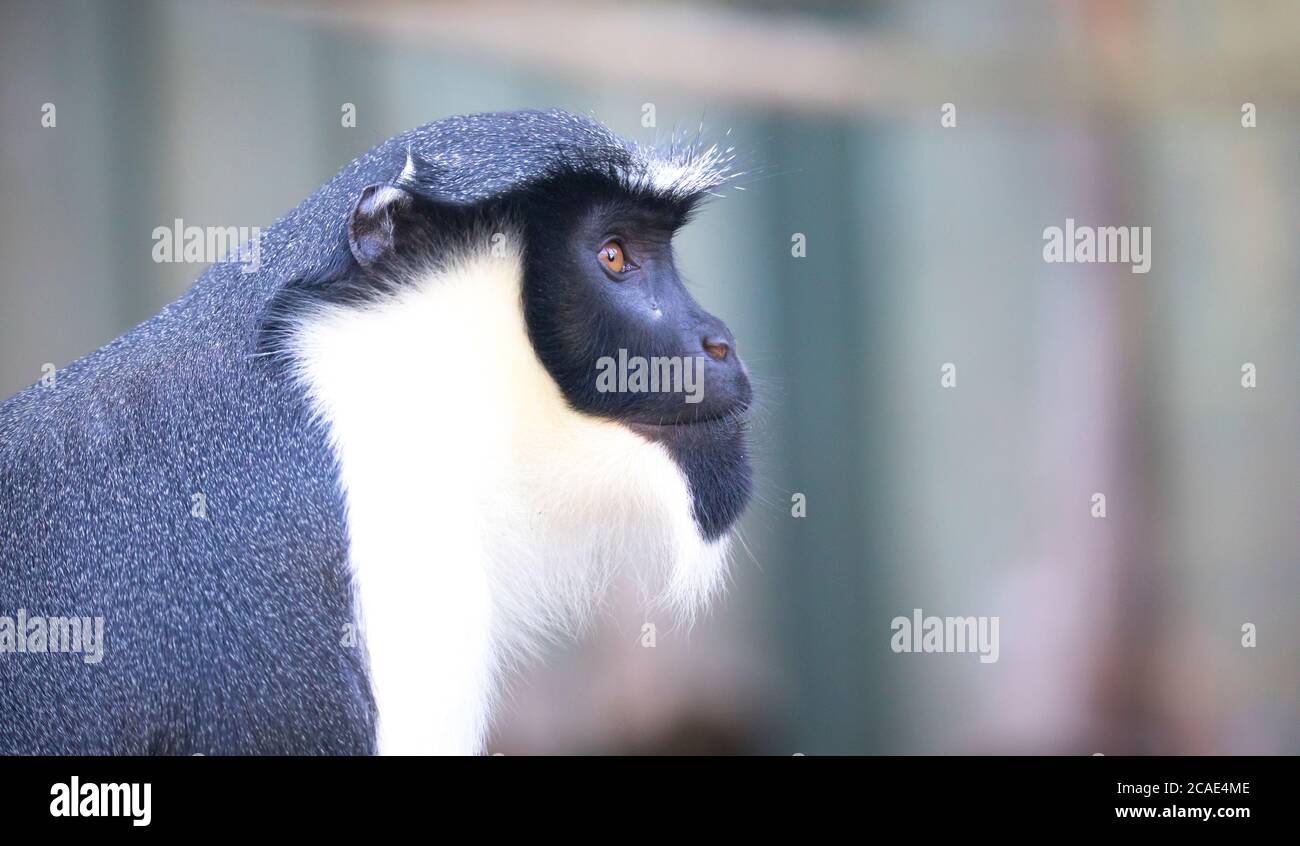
x=484, y=515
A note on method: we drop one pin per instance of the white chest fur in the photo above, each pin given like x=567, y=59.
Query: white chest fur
x=484, y=514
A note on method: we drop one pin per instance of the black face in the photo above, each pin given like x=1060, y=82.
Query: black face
x=623, y=338
x=613, y=323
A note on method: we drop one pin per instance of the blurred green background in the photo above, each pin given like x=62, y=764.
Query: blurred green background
x=924, y=246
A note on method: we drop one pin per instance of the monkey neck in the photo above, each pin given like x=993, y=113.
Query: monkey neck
x=484, y=514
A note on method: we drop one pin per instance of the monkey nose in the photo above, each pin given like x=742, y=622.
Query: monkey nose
x=716, y=346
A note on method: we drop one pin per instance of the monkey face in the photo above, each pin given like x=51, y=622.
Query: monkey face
x=612, y=321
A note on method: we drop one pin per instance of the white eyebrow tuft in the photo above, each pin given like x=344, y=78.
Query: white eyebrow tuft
x=682, y=170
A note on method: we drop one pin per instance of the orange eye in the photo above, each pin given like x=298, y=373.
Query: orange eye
x=611, y=255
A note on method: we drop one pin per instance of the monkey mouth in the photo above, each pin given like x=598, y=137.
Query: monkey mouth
x=727, y=422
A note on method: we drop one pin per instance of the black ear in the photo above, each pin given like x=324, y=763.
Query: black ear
x=373, y=225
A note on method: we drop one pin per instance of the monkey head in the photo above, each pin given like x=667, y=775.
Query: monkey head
x=605, y=310
x=502, y=330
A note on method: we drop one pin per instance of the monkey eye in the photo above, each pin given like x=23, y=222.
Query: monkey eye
x=612, y=257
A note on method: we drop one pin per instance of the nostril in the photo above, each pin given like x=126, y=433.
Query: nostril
x=716, y=347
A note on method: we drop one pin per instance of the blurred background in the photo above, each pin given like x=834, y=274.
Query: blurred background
x=924, y=247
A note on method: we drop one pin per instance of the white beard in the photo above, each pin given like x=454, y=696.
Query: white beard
x=484, y=514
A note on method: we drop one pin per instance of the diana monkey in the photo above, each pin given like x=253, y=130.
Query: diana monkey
x=409, y=474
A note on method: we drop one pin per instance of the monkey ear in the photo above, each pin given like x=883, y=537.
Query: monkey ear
x=372, y=226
